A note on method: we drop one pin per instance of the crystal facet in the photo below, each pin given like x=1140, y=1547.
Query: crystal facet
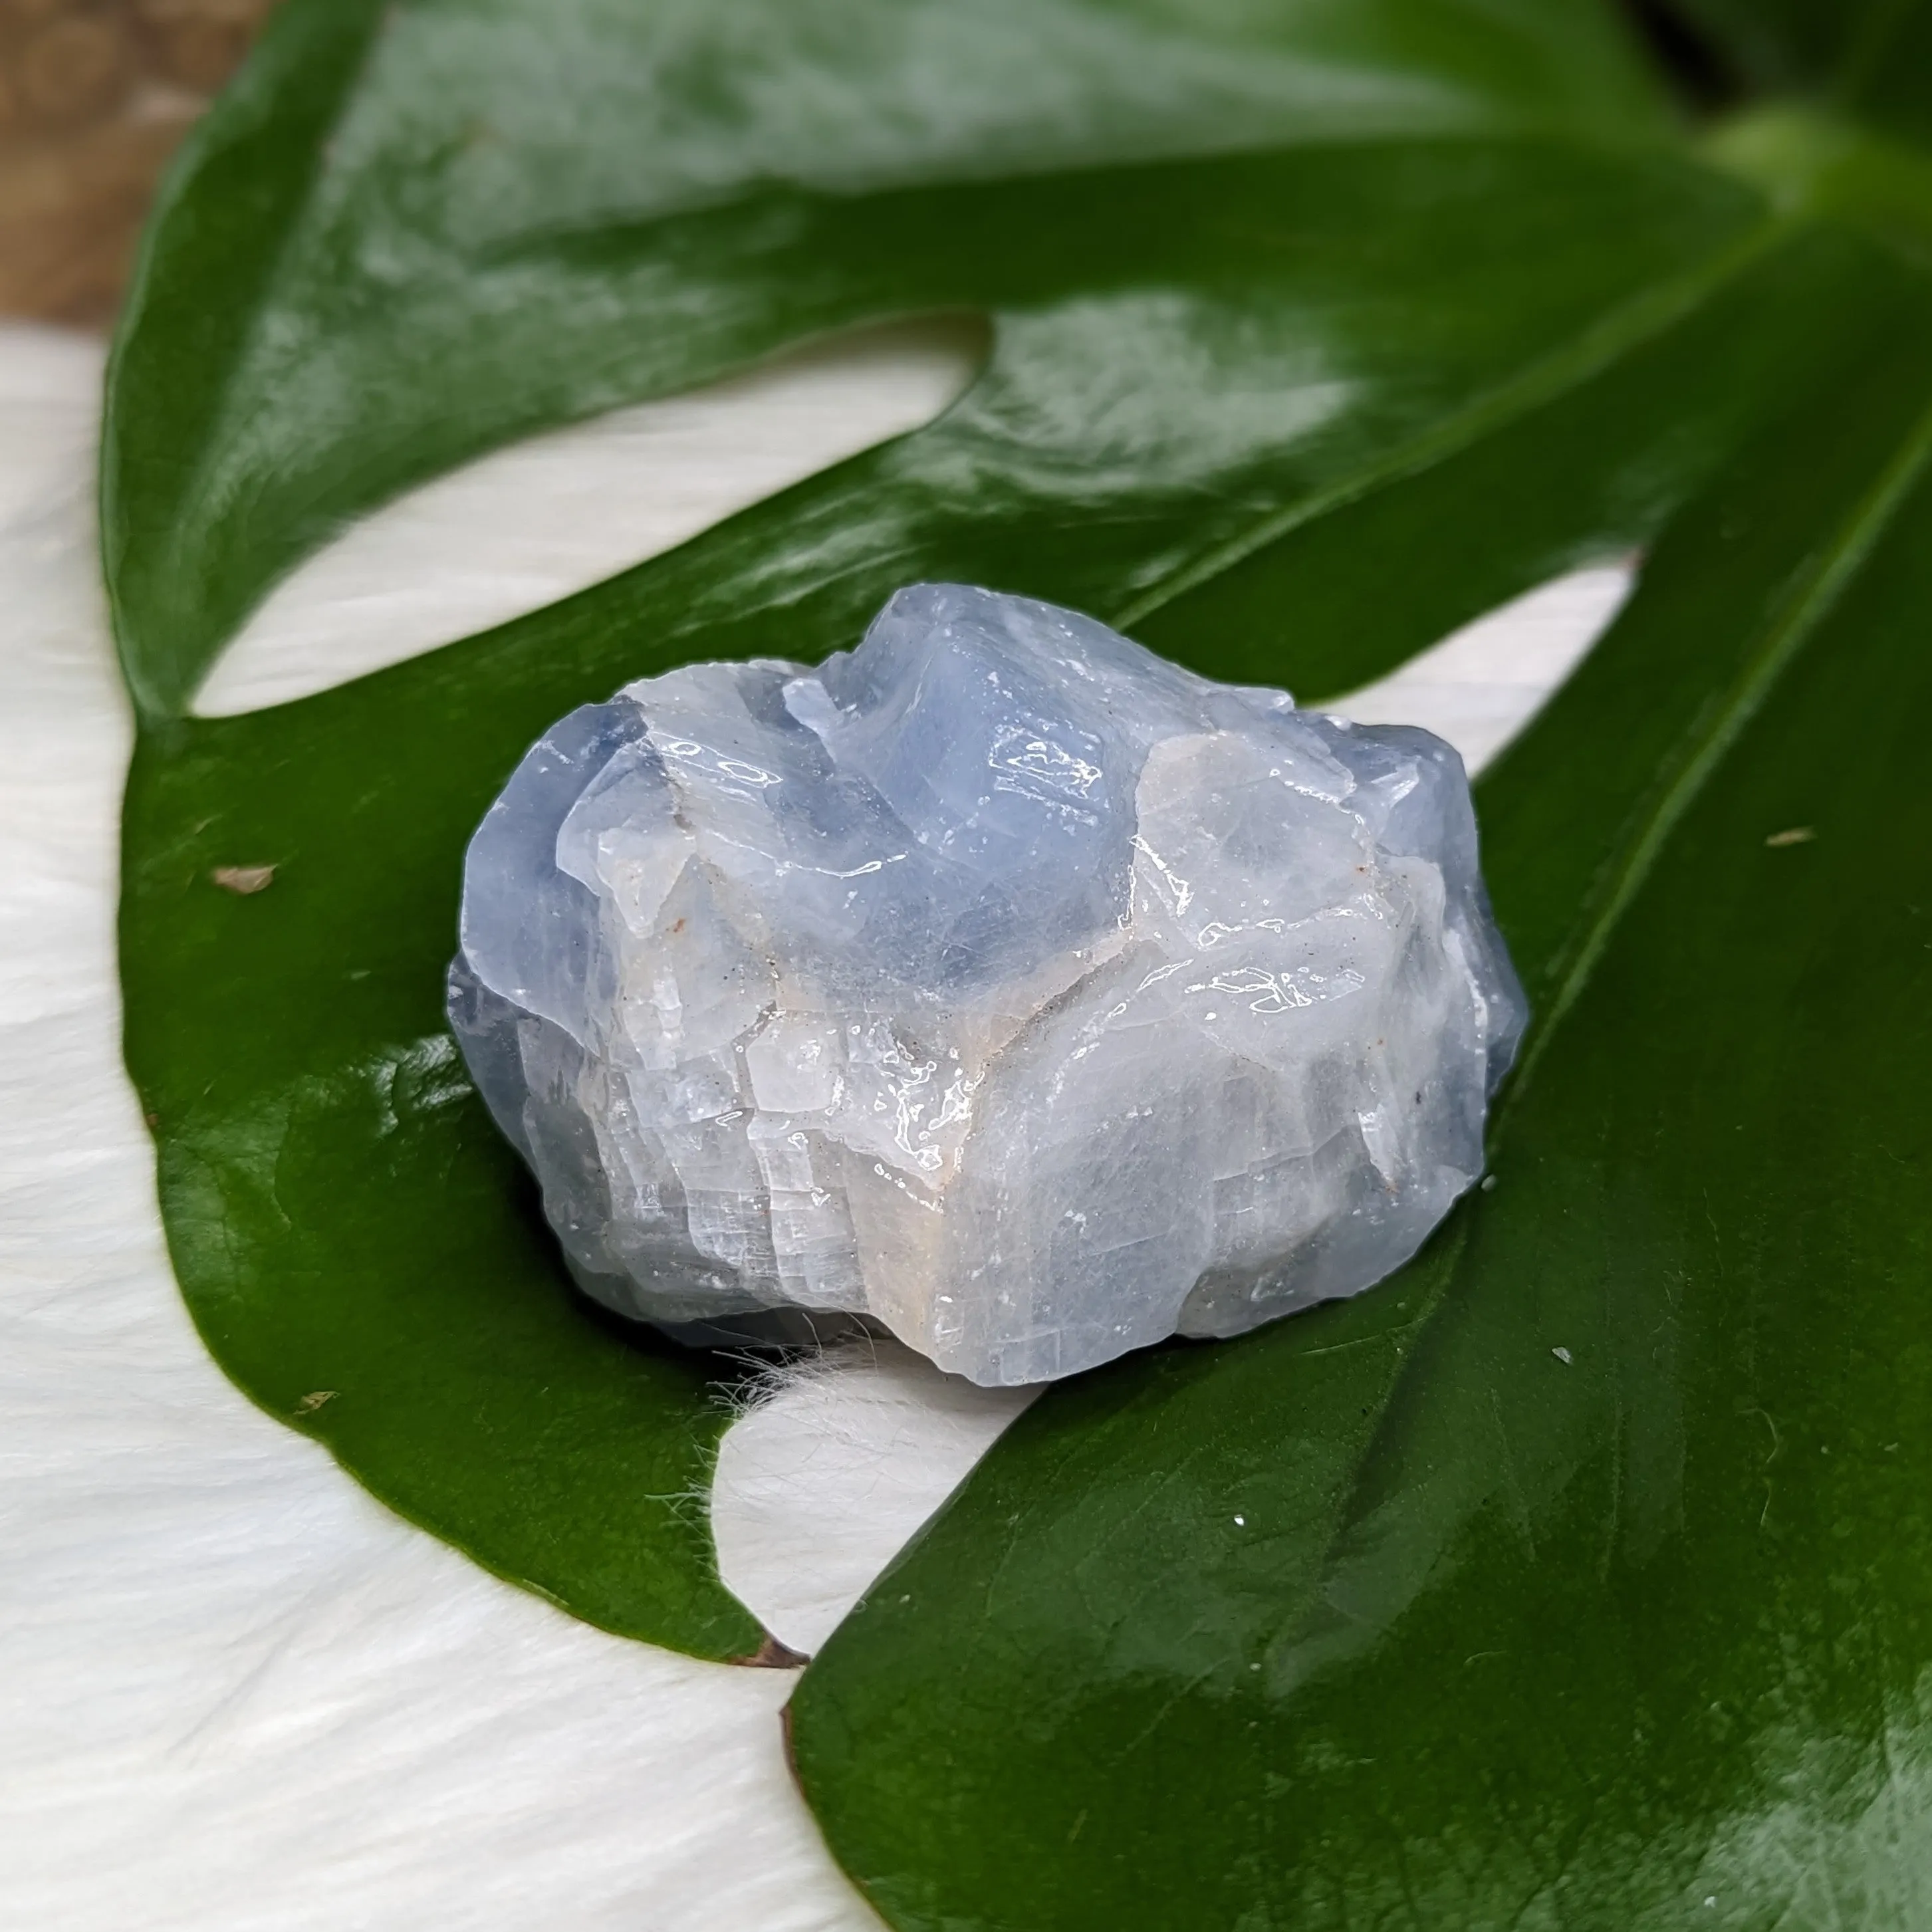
x=998, y=981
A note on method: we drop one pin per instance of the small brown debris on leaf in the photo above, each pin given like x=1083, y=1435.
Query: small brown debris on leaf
x=243, y=879
x=1798, y=834
x=313, y=1400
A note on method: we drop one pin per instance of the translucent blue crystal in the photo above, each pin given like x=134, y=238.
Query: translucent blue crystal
x=997, y=982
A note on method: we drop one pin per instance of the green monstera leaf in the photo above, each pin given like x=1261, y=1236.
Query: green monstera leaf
x=1580, y=1575
x=407, y=233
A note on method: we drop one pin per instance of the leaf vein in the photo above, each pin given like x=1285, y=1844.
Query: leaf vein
x=1715, y=731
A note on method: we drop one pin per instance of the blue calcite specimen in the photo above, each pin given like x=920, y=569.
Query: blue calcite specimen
x=998, y=981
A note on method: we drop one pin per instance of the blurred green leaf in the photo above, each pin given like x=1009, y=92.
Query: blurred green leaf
x=1870, y=57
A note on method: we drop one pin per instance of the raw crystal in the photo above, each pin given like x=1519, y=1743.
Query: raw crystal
x=997, y=981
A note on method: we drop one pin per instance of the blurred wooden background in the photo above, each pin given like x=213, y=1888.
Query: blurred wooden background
x=94, y=95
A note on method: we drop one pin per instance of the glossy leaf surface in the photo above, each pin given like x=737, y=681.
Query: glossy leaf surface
x=411, y=232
